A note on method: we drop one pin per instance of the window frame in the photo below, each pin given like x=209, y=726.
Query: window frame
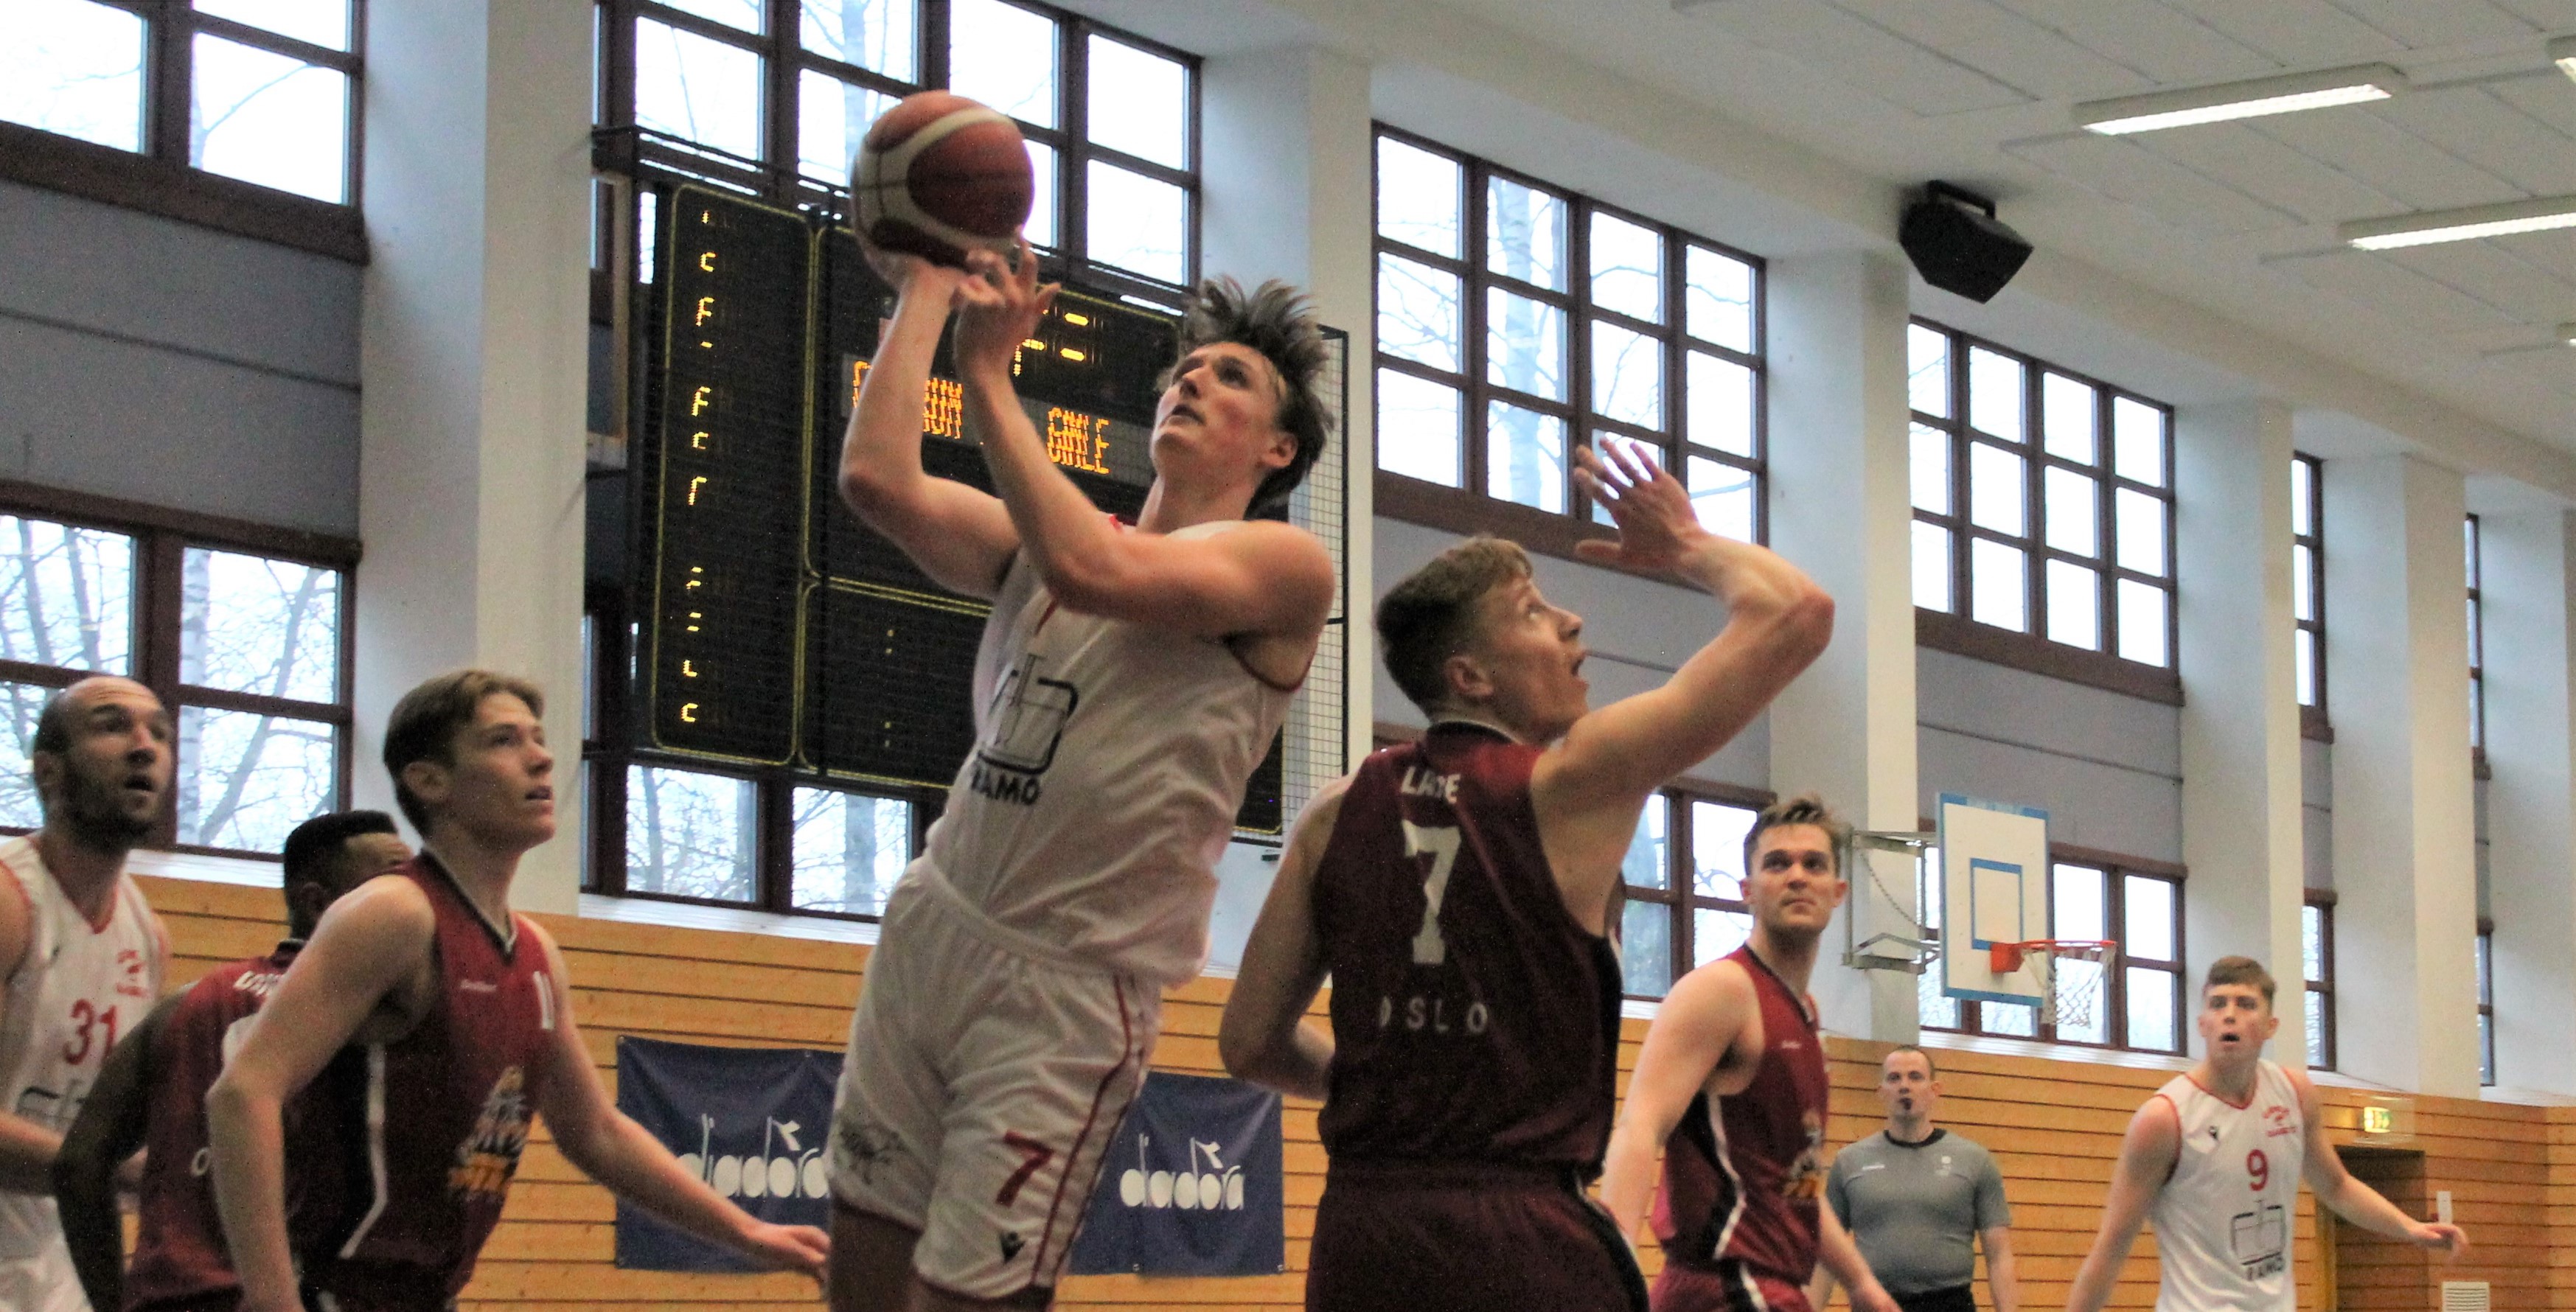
x=2114, y=870
x=162, y=539
x=2483, y=967
x=1467, y=507
x=159, y=179
x=778, y=177
x=2321, y=992
x=2315, y=720
x=1678, y=895
x=2031, y=649
x=2475, y=553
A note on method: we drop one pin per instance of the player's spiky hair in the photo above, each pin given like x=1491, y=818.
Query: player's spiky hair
x=1278, y=321
x=1804, y=809
x=1428, y=616
x=2240, y=970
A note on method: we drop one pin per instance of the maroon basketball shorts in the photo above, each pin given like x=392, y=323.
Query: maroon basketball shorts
x=1729, y=1286
x=1464, y=1238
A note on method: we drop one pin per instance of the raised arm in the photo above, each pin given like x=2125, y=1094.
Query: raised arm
x=368, y=945
x=608, y=1146
x=1589, y=787
x=2147, y=1155
x=1264, y=1037
x=958, y=535
x=2354, y=1200
x=109, y=1130
x=1699, y=1020
x=1264, y=578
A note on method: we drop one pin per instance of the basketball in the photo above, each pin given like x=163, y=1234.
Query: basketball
x=938, y=175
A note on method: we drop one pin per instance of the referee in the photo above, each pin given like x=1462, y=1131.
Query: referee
x=1912, y=1195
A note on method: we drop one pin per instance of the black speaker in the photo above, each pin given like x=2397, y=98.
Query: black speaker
x=1958, y=244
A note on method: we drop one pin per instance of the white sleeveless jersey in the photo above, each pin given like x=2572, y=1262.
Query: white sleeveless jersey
x=2224, y=1220
x=78, y=990
x=1109, y=763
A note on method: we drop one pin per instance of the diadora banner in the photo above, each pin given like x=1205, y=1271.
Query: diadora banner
x=1192, y=1186
x=751, y=1122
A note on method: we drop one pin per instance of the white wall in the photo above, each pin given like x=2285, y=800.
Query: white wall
x=155, y=361
x=2105, y=766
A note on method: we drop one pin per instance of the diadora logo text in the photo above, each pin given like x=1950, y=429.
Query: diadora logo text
x=1218, y=1187
x=781, y=1167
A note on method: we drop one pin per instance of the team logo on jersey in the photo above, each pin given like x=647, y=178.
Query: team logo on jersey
x=1025, y=724
x=1805, y=1177
x=862, y=1143
x=133, y=979
x=490, y=1156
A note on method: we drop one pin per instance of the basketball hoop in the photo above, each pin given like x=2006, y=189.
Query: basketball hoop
x=2076, y=1004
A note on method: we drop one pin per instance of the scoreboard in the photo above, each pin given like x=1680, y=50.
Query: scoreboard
x=778, y=630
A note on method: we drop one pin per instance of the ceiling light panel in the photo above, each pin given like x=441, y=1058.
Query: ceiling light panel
x=2234, y=100
x=2460, y=225
x=2562, y=52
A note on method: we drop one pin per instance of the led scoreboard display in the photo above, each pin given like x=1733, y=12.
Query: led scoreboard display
x=781, y=631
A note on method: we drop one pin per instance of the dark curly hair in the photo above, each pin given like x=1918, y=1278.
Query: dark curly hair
x=1278, y=321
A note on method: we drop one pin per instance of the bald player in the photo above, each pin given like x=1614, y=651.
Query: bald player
x=2215, y=1159
x=81, y=954
x=1461, y=891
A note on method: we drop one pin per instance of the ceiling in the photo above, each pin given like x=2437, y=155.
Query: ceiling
x=2236, y=219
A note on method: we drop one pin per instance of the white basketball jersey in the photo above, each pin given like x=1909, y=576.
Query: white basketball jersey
x=2224, y=1221
x=79, y=989
x=1110, y=760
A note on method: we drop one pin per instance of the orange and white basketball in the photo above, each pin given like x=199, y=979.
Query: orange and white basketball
x=938, y=175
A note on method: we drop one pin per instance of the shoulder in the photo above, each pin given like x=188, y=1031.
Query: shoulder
x=548, y=951
x=388, y=912
x=1722, y=987
x=19, y=872
x=2159, y=1118
x=1284, y=552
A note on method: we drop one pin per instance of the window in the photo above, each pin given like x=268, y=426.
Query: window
x=2043, y=501
x=2477, y=646
x=679, y=829
x=2486, y=1001
x=2308, y=585
x=774, y=96
x=2316, y=968
x=242, y=633
x=1516, y=321
x=1684, y=877
x=264, y=91
x=2138, y=1008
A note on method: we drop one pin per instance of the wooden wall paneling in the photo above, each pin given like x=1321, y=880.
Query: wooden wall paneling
x=2053, y=1125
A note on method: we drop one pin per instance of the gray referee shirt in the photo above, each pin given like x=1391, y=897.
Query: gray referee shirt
x=1915, y=1208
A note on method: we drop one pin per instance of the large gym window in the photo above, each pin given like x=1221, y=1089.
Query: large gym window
x=2043, y=502
x=1684, y=877
x=2139, y=1007
x=243, y=633
x=254, y=90
x=1516, y=320
x=773, y=97
x=2316, y=972
x=2486, y=1001
x=2308, y=586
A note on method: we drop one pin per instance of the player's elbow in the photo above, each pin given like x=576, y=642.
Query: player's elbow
x=1246, y=1052
x=1807, y=621
x=878, y=496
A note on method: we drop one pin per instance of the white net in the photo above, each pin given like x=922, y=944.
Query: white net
x=2071, y=976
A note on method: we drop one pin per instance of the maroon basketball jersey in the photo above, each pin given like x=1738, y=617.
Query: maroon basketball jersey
x=1473, y=1019
x=435, y=1121
x=179, y=1252
x=1744, y=1185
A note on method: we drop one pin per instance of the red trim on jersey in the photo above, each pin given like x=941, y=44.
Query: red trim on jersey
x=2177, y=1112
x=1126, y=1042
x=2240, y=1106
x=1265, y=680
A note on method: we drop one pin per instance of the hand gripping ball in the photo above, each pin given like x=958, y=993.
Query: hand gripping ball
x=938, y=175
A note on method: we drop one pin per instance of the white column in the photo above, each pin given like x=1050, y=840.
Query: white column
x=2529, y=561
x=1287, y=187
x=1840, y=511
x=473, y=372
x=2240, y=717
x=2404, y=832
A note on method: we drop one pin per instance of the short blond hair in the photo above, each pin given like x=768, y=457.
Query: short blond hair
x=1804, y=809
x=2239, y=970
x=1431, y=613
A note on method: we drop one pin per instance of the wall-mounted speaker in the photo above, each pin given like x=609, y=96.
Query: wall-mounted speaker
x=1958, y=244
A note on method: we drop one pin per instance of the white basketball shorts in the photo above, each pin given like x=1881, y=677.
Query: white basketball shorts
x=986, y=1074
x=43, y=1282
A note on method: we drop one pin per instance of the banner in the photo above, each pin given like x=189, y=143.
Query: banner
x=751, y=1122
x=1192, y=1185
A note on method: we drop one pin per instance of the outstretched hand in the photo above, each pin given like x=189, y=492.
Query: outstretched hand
x=998, y=306
x=788, y=1248
x=1657, y=526
x=906, y=272
x=2441, y=1237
